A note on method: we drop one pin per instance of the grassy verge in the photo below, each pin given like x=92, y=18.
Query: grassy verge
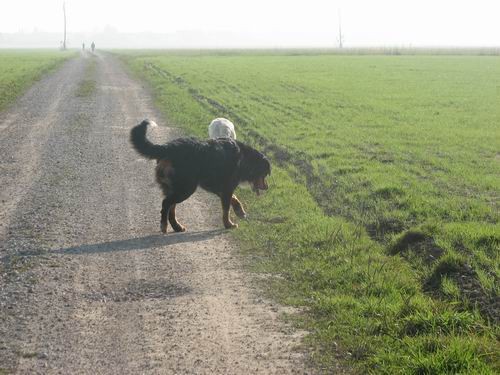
x=382, y=220
x=20, y=68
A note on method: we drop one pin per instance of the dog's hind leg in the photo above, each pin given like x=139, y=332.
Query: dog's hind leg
x=168, y=215
x=173, y=221
x=238, y=207
x=173, y=197
x=226, y=204
x=165, y=208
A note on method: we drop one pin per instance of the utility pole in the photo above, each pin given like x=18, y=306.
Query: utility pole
x=341, y=38
x=64, y=13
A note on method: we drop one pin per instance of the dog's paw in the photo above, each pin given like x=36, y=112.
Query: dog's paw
x=241, y=214
x=180, y=228
x=163, y=227
x=231, y=226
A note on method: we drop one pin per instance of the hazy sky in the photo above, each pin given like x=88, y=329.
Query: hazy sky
x=364, y=22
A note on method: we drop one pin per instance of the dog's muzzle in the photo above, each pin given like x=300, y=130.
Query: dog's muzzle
x=259, y=184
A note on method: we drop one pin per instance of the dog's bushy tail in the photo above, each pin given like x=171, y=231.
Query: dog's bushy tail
x=142, y=145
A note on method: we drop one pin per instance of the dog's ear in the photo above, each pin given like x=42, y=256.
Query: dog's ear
x=268, y=166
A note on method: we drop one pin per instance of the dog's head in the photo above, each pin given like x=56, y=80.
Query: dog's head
x=262, y=170
x=254, y=168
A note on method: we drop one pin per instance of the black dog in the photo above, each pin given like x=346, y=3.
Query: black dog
x=217, y=165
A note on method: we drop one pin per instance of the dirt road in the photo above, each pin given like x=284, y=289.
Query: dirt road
x=87, y=282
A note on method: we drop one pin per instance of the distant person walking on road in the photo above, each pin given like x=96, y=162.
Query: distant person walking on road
x=83, y=46
x=92, y=46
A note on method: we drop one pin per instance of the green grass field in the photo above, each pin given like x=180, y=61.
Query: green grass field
x=20, y=68
x=382, y=220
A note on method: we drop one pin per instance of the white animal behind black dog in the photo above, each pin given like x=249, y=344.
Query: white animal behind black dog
x=221, y=128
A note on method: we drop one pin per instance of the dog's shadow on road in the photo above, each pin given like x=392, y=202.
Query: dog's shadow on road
x=141, y=243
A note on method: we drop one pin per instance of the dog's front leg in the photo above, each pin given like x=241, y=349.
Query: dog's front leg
x=226, y=204
x=238, y=207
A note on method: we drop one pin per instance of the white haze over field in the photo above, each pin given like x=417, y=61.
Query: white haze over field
x=255, y=23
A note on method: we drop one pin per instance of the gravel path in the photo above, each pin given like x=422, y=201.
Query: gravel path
x=87, y=282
